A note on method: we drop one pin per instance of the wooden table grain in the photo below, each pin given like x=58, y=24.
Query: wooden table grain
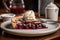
x=7, y=36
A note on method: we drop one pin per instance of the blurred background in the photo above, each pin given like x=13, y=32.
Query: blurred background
x=31, y=4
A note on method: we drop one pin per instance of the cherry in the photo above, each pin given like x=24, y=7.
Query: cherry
x=29, y=24
x=17, y=26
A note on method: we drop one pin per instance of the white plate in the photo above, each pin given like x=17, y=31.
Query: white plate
x=31, y=32
x=7, y=16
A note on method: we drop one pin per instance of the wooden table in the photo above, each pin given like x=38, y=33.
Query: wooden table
x=7, y=36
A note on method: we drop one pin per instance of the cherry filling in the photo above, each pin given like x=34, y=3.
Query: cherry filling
x=29, y=25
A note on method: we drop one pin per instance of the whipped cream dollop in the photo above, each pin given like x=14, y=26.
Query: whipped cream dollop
x=29, y=15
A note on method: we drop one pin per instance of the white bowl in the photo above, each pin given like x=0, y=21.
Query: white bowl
x=7, y=16
x=31, y=32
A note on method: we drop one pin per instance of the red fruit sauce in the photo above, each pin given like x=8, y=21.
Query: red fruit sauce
x=17, y=9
